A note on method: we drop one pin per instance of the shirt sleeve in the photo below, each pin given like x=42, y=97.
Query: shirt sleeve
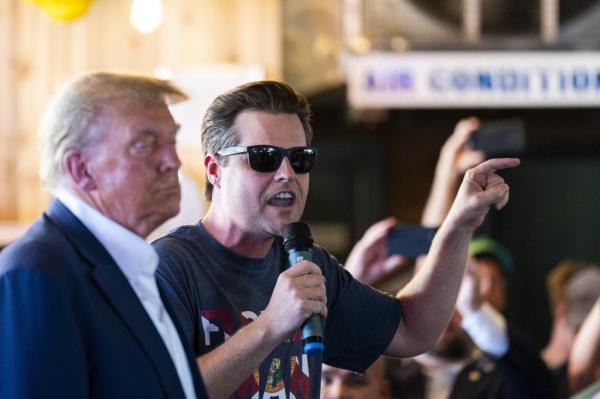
x=487, y=328
x=361, y=321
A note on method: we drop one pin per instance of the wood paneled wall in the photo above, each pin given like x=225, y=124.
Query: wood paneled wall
x=37, y=54
x=7, y=111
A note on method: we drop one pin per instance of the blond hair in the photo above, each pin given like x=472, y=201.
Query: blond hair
x=69, y=120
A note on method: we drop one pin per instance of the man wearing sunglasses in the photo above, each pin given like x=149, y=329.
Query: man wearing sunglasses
x=228, y=276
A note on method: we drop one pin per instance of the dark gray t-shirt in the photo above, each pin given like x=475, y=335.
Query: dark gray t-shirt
x=214, y=292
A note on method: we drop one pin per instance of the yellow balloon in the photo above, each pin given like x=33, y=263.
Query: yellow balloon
x=62, y=10
x=39, y=3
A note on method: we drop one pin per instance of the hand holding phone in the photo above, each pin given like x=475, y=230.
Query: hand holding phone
x=504, y=137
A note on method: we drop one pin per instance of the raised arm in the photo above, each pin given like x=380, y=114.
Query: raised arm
x=428, y=299
x=584, y=360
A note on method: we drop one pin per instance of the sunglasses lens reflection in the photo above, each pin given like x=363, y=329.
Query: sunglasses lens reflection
x=265, y=159
x=302, y=160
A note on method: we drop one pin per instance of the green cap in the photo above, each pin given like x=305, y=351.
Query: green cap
x=484, y=245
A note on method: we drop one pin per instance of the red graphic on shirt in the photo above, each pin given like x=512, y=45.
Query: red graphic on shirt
x=220, y=318
x=217, y=328
x=299, y=382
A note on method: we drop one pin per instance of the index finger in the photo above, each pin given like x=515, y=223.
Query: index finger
x=492, y=165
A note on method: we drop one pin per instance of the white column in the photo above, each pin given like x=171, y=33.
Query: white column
x=471, y=20
x=549, y=12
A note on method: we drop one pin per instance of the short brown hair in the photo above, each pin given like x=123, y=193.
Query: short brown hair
x=264, y=96
x=558, y=279
x=73, y=111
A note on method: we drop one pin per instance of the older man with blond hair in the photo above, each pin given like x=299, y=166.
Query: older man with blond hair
x=81, y=314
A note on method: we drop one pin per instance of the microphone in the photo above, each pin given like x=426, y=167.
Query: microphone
x=297, y=241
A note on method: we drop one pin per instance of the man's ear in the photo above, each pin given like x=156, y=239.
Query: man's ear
x=213, y=169
x=76, y=166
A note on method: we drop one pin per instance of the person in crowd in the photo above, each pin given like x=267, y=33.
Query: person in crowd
x=477, y=356
x=512, y=364
x=466, y=362
x=494, y=262
x=228, y=276
x=556, y=353
x=494, y=265
x=477, y=342
x=583, y=292
x=338, y=383
x=81, y=314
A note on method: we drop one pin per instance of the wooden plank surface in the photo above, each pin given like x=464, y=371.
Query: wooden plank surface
x=36, y=55
x=8, y=204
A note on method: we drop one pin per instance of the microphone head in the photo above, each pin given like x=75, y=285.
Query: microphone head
x=297, y=235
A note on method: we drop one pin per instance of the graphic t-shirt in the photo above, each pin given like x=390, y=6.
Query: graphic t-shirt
x=214, y=292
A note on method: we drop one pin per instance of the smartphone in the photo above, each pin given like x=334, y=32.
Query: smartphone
x=505, y=137
x=410, y=241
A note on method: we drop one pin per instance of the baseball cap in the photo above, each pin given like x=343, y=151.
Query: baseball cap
x=485, y=246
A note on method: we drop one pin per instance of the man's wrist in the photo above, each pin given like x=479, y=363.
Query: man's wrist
x=262, y=328
x=455, y=227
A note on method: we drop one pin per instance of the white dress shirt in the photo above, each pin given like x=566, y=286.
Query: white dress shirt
x=138, y=262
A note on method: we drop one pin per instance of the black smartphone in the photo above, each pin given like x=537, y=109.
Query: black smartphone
x=505, y=137
x=410, y=240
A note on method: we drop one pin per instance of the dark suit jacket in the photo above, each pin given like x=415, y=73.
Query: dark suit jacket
x=71, y=326
x=524, y=367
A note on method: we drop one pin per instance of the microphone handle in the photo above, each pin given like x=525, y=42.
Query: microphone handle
x=312, y=328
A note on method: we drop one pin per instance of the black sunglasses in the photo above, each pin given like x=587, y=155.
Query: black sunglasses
x=268, y=158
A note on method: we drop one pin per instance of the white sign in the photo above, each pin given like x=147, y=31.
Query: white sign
x=474, y=79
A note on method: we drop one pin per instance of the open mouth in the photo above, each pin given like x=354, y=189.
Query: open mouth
x=283, y=199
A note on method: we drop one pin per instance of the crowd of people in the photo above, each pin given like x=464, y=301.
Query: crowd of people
x=481, y=354
x=213, y=309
